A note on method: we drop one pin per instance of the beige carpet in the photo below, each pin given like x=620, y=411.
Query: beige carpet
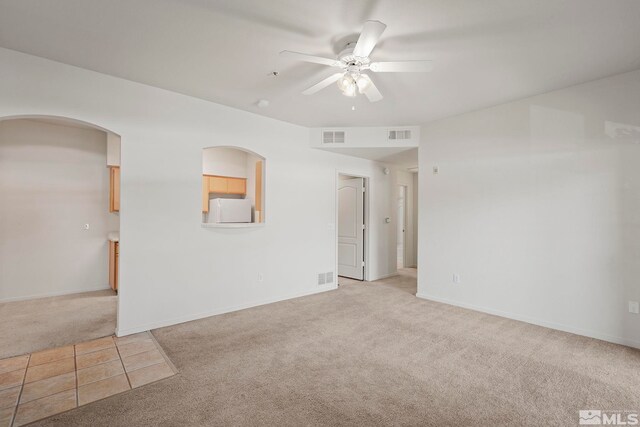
x=372, y=354
x=28, y=326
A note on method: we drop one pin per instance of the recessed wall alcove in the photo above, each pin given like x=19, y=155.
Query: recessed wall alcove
x=233, y=188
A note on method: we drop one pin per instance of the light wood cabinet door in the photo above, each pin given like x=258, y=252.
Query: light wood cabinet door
x=258, y=200
x=218, y=184
x=114, y=189
x=205, y=193
x=113, y=264
x=236, y=186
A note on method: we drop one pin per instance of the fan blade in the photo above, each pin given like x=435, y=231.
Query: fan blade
x=367, y=88
x=401, y=66
x=324, y=83
x=310, y=58
x=371, y=32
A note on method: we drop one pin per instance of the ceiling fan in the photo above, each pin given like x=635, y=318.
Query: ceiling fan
x=354, y=61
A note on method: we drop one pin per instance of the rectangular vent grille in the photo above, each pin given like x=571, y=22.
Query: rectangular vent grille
x=399, y=134
x=333, y=137
x=325, y=278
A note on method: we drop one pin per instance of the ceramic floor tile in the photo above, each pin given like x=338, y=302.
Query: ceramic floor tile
x=141, y=336
x=6, y=416
x=141, y=360
x=99, y=372
x=136, y=347
x=95, y=345
x=101, y=389
x=47, y=387
x=9, y=397
x=13, y=363
x=52, y=355
x=45, y=407
x=97, y=357
x=149, y=374
x=11, y=379
x=51, y=369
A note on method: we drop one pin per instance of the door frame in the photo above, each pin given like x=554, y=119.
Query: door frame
x=404, y=223
x=367, y=227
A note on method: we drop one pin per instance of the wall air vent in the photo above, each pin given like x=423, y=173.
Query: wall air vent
x=399, y=134
x=321, y=279
x=333, y=137
x=329, y=277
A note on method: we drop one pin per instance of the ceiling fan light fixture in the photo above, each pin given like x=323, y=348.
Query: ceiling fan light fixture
x=347, y=85
x=353, y=59
x=363, y=82
x=350, y=91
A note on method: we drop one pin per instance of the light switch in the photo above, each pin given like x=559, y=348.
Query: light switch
x=634, y=307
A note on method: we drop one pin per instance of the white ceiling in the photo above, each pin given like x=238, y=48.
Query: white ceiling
x=406, y=157
x=486, y=52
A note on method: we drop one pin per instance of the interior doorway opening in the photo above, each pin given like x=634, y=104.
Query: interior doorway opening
x=351, y=226
x=401, y=227
x=58, y=221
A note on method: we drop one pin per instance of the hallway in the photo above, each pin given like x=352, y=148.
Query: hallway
x=406, y=280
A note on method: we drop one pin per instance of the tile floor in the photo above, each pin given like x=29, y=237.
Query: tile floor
x=38, y=385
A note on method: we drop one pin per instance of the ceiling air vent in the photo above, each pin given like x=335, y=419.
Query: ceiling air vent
x=399, y=134
x=333, y=137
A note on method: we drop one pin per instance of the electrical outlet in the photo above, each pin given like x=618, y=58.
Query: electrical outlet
x=260, y=277
x=456, y=278
x=634, y=307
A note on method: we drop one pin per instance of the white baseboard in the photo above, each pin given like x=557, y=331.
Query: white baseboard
x=53, y=294
x=551, y=325
x=188, y=318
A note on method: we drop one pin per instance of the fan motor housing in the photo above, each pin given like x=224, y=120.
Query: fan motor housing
x=347, y=56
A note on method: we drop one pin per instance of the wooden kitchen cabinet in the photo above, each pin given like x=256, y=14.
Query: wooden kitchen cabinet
x=236, y=186
x=114, y=189
x=218, y=184
x=221, y=185
x=114, y=262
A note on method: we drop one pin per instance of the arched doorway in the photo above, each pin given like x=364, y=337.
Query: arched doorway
x=54, y=233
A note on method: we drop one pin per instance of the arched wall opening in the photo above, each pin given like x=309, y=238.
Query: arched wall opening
x=55, y=183
x=233, y=187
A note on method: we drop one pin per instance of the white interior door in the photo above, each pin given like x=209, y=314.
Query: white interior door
x=351, y=228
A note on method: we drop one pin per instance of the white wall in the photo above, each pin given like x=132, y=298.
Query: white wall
x=53, y=180
x=537, y=208
x=172, y=269
x=224, y=161
x=113, y=149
